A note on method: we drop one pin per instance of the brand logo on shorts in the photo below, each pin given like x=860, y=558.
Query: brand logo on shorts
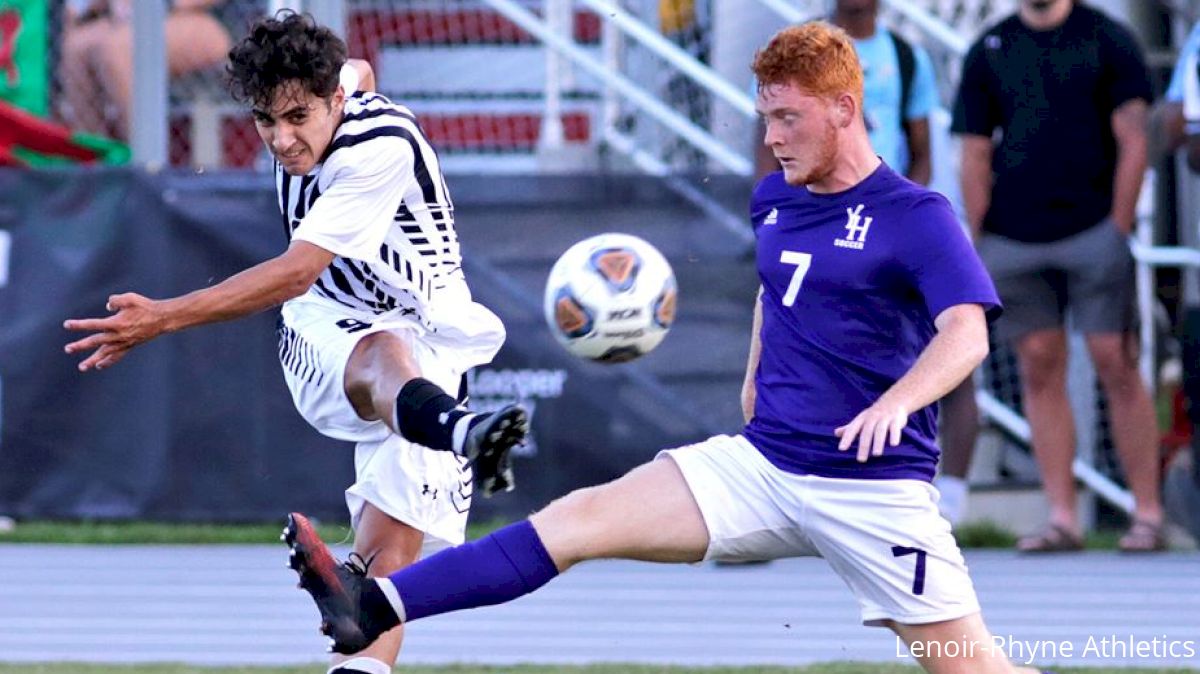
x=772, y=217
x=856, y=229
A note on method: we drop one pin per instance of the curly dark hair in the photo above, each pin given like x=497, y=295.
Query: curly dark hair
x=288, y=47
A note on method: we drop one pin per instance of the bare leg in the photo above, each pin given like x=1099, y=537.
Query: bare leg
x=83, y=99
x=379, y=366
x=967, y=638
x=116, y=73
x=1134, y=426
x=649, y=515
x=959, y=421
x=1043, y=364
x=195, y=41
x=390, y=545
x=960, y=429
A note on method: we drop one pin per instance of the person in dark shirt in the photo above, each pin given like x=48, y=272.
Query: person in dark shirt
x=1052, y=111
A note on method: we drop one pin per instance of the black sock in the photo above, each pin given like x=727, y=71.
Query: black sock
x=426, y=415
x=374, y=603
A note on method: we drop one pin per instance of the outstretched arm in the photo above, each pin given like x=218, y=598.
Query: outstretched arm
x=960, y=345
x=139, y=319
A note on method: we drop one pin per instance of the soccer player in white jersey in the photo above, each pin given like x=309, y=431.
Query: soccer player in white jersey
x=872, y=307
x=377, y=326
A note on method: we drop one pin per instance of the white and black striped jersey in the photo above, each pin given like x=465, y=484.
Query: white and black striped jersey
x=378, y=201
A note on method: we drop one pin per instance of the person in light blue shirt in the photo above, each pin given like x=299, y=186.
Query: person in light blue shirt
x=1172, y=112
x=902, y=140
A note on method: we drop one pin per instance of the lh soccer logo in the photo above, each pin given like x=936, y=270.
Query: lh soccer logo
x=856, y=229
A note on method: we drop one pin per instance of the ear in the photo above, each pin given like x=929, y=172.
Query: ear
x=845, y=110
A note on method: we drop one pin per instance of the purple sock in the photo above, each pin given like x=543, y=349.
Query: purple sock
x=509, y=563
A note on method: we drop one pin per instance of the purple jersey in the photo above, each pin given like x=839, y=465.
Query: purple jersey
x=852, y=283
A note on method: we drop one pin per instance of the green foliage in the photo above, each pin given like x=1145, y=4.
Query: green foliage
x=156, y=533
x=984, y=535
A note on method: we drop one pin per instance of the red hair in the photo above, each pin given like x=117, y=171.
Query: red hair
x=816, y=57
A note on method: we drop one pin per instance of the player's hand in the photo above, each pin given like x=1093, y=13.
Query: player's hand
x=137, y=319
x=878, y=424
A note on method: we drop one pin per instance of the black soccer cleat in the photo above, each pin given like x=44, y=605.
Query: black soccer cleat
x=489, y=443
x=335, y=587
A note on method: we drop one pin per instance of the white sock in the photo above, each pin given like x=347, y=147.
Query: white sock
x=953, y=504
x=458, y=435
x=361, y=664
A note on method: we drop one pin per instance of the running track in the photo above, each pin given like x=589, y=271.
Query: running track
x=238, y=605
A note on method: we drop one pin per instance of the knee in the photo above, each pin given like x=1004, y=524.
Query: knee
x=376, y=357
x=380, y=347
x=1115, y=367
x=1043, y=365
x=570, y=525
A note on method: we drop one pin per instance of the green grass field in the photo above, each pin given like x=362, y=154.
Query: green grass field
x=161, y=533
x=865, y=668
x=982, y=535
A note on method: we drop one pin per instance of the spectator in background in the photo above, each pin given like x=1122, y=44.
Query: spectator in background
x=96, y=65
x=899, y=93
x=1180, y=125
x=1052, y=202
x=1169, y=126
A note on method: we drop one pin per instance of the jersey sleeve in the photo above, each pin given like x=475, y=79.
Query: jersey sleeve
x=1128, y=76
x=355, y=211
x=923, y=98
x=940, y=261
x=976, y=110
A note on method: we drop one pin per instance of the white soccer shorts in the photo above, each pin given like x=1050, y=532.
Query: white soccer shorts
x=884, y=538
x=426, y=489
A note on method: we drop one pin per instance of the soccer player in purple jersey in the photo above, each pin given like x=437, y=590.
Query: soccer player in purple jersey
x=873, y=305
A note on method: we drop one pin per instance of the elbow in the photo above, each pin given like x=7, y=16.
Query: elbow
x=978, y=349
x=981, y=351
x=300, y=285
x=296, y=283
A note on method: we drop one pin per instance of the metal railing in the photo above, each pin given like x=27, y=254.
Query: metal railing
x=647, y=102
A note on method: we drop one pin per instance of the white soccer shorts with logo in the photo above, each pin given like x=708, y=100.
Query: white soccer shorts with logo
x=427, y=489
x=884, y=538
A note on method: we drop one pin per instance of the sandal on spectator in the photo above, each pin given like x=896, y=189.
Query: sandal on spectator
x=1144, y=536
x=1054, y=538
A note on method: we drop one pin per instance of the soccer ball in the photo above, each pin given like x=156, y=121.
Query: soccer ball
x=610, y=298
